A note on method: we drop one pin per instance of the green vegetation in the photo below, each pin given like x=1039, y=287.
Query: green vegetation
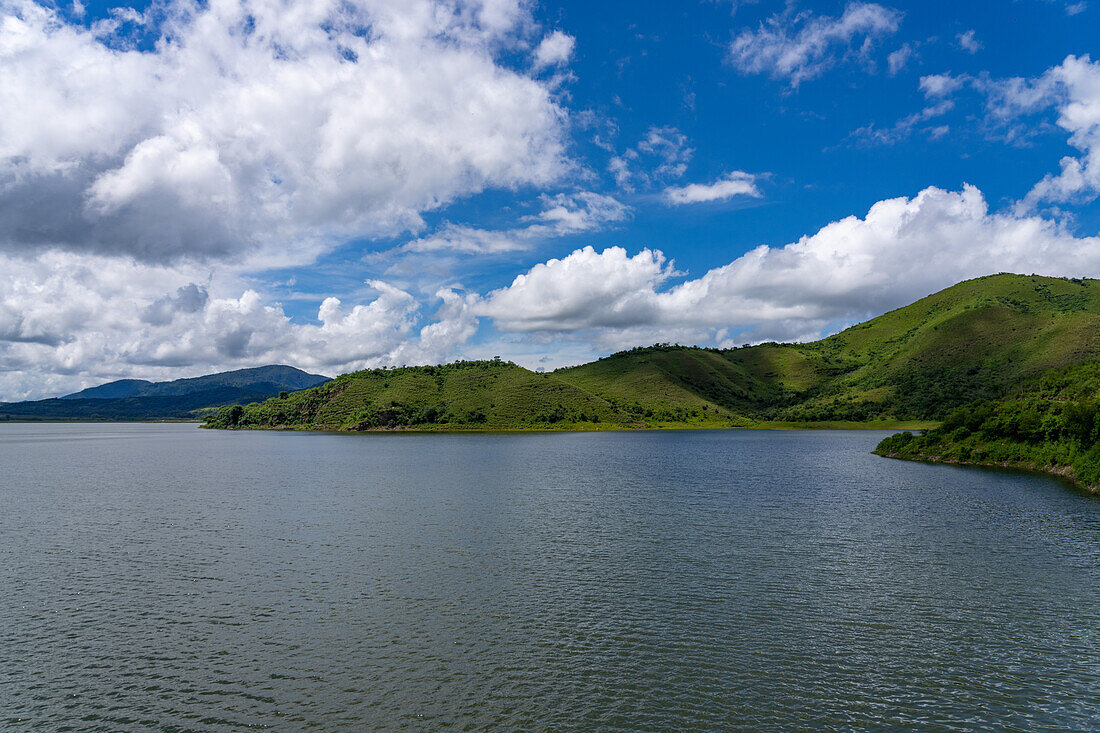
x=477, y=395
x=1051, y=425
x=978, y=340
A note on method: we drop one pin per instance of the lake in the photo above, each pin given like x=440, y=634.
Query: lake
x=170, y=577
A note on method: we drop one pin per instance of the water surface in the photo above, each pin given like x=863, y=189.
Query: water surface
x=168, y=577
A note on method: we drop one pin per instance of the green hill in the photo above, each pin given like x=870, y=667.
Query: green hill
x=979, y=339
x=470, y=394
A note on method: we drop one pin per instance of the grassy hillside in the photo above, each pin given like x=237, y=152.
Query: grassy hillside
x=977, y=340
x=1051, y=424
x=670, y=382
x=472, y=394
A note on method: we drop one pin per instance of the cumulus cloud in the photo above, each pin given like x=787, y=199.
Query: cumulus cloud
x=802, y=46
x=71, y=320
x=736, y=183
x=586, y=289
x=554, y=49
x=260, y=126
x=1078, y=83
x=902, y=250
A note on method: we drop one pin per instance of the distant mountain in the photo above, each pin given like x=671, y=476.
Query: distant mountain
x=979, y=339
x=137, y=399
x=276, y=378
x=111, y=390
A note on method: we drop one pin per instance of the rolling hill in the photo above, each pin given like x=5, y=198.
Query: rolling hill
x=979, y=339
x=975, y=340
x=179, y=399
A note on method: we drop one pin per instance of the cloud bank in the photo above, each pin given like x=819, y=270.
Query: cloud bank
x=902, y=250
x=72, y=319
x=261, y=127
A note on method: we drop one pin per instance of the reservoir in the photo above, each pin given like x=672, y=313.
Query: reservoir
x=163, y=576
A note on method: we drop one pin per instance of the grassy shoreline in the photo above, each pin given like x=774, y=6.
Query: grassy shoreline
x=1064, y=473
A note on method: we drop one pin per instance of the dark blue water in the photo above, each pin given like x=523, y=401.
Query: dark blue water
x=168, y=577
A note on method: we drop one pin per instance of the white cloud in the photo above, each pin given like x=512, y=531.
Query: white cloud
x=261, y=126
x=736, y=183
x=661, y=155
x=586, y=289
x=1078, y=84
x=803, y=46
x=901, y=251
x=870, y=135
x=71, y=320
x=470, y=240
x=554, y=49
x=1073, y=88
x=940, y=85
x=562, y=214
x=898, y=60
x=968, y=42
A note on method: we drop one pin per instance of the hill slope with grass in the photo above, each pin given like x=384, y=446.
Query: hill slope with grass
x=976, y=340
x=979, y=339
x=463, y=395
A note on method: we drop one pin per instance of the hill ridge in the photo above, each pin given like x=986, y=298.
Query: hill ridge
x=974, y=340
x=178, y=399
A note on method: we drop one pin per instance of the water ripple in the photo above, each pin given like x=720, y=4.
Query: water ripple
x=160, y=576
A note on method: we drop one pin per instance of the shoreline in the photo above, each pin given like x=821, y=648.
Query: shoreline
x=766, y=425
x=1064, y=473
x=85, y=421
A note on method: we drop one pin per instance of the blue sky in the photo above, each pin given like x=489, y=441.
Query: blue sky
x=661, y=64
x=188, y=187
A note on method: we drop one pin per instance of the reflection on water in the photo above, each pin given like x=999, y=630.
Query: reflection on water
x=161, y=575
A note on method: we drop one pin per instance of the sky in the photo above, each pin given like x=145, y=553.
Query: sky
x=189, y=187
